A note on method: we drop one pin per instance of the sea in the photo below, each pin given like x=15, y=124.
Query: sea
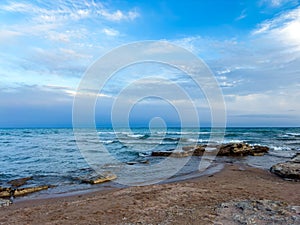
x=52, y=156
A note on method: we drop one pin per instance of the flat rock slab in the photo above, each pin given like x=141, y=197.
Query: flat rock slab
x=10, y=192
x=99, y=179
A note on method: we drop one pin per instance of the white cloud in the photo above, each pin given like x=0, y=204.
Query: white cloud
x=277, y=3
x=119, y=15
x=243, y=15
x=68, y=11
x=110, y=32
x=6, y=35
x=227, y=70
x=286, y=26
x=270, y=102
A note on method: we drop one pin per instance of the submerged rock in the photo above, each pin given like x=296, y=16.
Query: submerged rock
x=231, y=149
x=99, y=179
x=289, y=169
x=19, y=182
x=11, y=192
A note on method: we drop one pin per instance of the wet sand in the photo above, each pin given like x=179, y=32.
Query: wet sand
x=188, y=202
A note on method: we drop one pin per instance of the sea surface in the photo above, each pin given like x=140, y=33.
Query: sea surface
x=52, y=156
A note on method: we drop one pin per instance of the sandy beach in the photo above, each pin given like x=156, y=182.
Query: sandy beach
x=195, y=201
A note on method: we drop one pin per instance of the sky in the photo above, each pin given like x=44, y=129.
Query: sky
x=251, y=46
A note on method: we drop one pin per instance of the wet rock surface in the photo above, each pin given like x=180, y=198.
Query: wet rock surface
x=257, y=212
x=289, y=169
x=11, y=192
x=231, y=149
x=99, y=179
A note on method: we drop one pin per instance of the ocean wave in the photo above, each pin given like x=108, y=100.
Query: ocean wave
x=139, y=136
x=108, y=141
x=234, y=141
x=294, y=134
x=171, y=139
x=280, y=148
x=144, y=154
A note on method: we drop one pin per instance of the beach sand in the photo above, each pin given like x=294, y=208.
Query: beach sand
x=186, y=202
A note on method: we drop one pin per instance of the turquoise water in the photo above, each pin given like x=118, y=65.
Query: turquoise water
x=51, y=156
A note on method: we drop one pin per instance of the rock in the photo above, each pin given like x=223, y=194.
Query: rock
x=199, y=150
x=289, y=169
x=231, y=149
x=99, y=179
x=256, y=212
x=138, y=162
x=235, y=149
x=10, y=192
x=175, y=154
x=29, y=190
x=19, y=182
x=258, y=150
x=162, y=153
x=5, y=202
x=5, y=192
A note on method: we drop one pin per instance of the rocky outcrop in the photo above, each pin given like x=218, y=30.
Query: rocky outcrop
x=99, y=179
x=10, y=192
x=231, y=149
x=289, y=169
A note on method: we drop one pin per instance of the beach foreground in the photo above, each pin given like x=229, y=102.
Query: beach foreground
x=197, y=201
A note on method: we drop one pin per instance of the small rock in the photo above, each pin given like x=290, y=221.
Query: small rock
x=138, y=162
x=5, y=202
x=100, y=179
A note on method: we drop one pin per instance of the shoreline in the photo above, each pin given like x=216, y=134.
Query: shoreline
x=174, y=203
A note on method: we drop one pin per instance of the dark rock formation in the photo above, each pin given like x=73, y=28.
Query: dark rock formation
x=137, y=162
x=289, y=169
x=231, y=149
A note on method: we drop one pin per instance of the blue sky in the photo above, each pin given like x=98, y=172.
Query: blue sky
x=252, y=47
